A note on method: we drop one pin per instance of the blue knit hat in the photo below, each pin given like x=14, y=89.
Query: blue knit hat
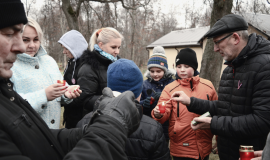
x=158, y=59
x=124, y=75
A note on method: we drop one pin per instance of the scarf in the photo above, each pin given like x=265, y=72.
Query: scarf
x=104, y=54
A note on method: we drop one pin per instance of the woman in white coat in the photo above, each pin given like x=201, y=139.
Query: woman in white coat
x=35, y=76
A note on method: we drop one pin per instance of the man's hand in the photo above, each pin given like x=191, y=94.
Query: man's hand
x=215, y=149
x=257, y=155
x=71, y=95
x=180, y=96
x=204, y=123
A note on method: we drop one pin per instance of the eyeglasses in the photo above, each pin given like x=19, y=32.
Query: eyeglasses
x=217, y=42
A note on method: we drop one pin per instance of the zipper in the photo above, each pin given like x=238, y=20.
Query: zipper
x=177, y=109
x=232, y=89
x=22, y=118
x=207, y=96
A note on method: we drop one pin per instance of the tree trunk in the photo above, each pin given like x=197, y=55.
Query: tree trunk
x=71, y=15
x=212, y=61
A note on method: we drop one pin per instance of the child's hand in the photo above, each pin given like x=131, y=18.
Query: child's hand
x=157, y=95
x=146, y=102
x=157, y=113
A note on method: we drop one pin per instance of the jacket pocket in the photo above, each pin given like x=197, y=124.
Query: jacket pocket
x=176, y=130
x=22, y=118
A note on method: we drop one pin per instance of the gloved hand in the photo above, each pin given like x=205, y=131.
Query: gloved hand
x=146, y=102
x=121, y=108
x=157, y=95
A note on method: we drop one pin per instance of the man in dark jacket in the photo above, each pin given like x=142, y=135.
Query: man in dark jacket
x=241, y=114
x=23, y=133
x=148, y=141
x=74, y=44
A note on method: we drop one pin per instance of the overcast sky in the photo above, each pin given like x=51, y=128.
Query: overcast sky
x=166, y=6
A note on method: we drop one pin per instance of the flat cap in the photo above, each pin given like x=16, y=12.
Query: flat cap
x=228, y=23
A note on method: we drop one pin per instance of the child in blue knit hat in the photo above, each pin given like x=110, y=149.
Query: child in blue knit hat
x=148, y=140
x=158, y=76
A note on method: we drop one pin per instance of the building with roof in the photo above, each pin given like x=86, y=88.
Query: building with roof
x=174, y=41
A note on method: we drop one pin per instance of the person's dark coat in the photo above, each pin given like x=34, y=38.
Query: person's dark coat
x=157, y=86
x=241, y=114
x=146, y=143
x=24, y=135
x=92, y=78
x=73, y=112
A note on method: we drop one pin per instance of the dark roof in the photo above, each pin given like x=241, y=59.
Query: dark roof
x=186, y=37
x=192, y=37
x=259, y=21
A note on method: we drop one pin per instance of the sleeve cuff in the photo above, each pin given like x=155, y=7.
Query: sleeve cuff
x=66, y=100
x=213, y=125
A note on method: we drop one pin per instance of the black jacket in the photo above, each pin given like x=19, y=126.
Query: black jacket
x=73, y=112
x=146, y=143
x=92, y=78
x=241, y=114
x=24, y=135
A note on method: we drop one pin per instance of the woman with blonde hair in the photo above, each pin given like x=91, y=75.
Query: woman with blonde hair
x=105, y=45
x=35, y=76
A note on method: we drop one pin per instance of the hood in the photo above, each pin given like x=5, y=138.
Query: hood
x=74, y=42
x=256, y=45
x=168, y=74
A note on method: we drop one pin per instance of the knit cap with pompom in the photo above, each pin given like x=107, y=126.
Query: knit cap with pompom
x=158, y=59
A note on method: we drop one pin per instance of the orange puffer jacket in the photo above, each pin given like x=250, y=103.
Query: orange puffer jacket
x=184, y=142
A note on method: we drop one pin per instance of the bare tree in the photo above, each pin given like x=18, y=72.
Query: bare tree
x=28, y=5
x=73, y=13
x=211, y=61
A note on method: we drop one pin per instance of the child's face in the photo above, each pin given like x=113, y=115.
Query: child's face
x=184, y=71
x=156, y=73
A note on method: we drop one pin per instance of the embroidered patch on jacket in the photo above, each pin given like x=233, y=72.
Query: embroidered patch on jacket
x=161, y=63
x=185, y=144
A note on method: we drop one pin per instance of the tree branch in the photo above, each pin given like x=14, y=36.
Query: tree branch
x=79, y=7
x=99, y=17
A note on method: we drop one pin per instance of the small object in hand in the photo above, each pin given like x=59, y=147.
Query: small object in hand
x=207, y=114
x=62, y=82
x=73, y=88
x=152, y=101
x=246, y=152
x=162, y=108
x=168, y=101
x=149, y=92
